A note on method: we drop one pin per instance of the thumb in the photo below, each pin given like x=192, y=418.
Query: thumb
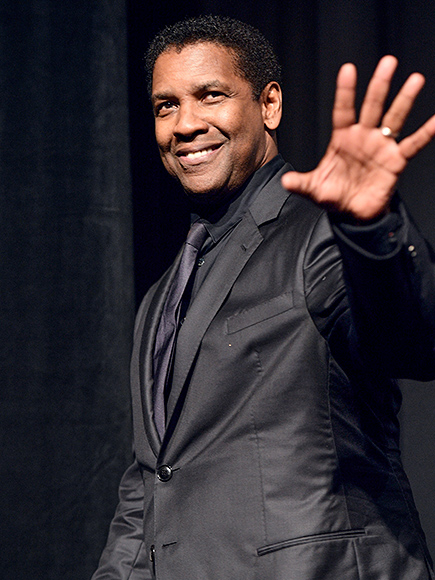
x=297, y=182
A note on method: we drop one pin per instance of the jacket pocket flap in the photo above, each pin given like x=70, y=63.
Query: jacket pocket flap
x=260, y=312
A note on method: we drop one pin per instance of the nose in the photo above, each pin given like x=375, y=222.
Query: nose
x=189, y=122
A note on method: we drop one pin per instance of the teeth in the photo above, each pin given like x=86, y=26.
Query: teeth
x=198, y=153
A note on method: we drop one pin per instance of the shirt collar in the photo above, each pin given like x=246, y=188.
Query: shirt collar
x=228, y=215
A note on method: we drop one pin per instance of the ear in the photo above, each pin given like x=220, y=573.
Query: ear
x=271, y=105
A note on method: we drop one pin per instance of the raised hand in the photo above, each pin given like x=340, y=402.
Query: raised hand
x=359, y=171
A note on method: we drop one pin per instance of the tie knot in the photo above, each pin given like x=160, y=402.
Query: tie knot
x=197, y=235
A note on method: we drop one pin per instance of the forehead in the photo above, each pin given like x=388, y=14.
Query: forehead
x=195, y=64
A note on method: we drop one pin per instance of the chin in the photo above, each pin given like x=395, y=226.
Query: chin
x=208, y=198
x=206, y=194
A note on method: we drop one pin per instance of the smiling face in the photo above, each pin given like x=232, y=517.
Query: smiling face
x=212, y=134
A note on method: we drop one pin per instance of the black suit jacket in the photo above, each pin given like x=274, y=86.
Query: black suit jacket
x=281, y=457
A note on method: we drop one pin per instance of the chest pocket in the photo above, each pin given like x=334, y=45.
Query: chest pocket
x=259, y=313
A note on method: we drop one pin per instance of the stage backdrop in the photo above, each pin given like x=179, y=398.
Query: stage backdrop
x=77, y=154
x=66, y=279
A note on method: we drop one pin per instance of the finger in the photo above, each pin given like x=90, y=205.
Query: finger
x=377, y=91
x=397, y=114
x=411, y=145
x=295, y=181
x=343, y=113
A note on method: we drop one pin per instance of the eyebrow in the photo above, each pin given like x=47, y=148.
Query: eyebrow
x=195, y=89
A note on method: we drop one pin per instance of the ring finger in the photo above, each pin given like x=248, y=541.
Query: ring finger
x=399, y=110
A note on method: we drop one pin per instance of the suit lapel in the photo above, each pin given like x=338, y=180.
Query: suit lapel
x=244, y=241
x=242, y=244
x=146, y=334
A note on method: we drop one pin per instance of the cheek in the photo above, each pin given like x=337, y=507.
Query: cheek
x=248, y=130
x=248, y=146
x=169, y=164
x=163, y=139
x=167, y=159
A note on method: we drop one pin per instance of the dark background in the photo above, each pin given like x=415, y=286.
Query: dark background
x=78, y=169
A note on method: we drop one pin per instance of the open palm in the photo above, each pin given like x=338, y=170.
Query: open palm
x=359, y=171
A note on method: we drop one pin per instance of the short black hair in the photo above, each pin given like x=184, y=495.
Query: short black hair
x=254, y=57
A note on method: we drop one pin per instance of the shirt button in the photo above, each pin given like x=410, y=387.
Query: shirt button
x=164, y=473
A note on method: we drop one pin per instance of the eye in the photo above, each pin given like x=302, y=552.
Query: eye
x=163, y=108
x=213, y=97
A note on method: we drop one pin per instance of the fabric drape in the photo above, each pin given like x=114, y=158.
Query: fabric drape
x=67, y=303
x=76, y=148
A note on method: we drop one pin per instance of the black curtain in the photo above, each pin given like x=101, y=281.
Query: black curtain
x=77, y=149
x=67, y=300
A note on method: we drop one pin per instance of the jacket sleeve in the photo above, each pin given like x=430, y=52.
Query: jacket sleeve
x=124, y=557
x=379, y=289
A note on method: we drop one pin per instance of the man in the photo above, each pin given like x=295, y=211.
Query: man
x=271, y=450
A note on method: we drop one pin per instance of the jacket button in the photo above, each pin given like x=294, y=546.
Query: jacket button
x=164, y=473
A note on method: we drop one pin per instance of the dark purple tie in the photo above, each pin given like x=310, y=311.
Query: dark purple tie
x=168, y=324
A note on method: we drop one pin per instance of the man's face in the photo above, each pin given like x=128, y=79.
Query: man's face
x=209, y=129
